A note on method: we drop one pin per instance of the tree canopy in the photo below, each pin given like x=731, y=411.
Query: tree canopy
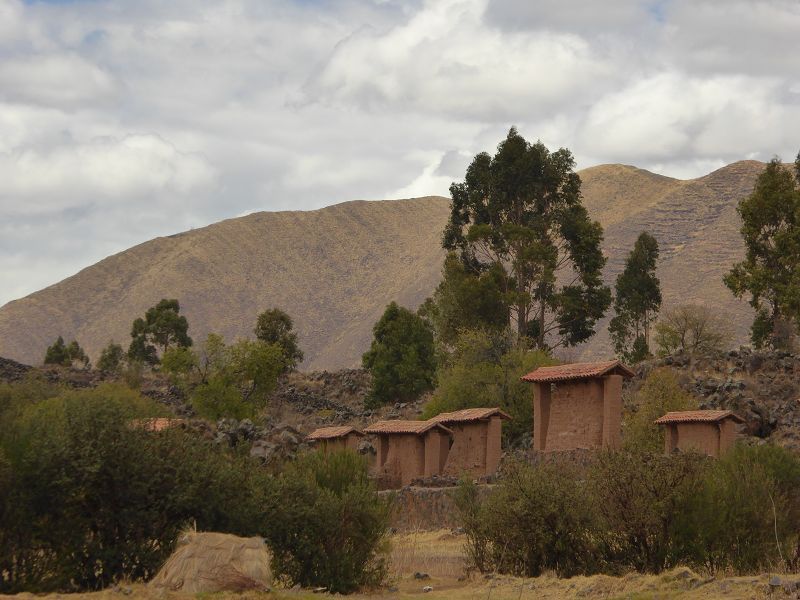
x=163, y=326
x=401, y=357
x=226, y=380
x=274, y=326
x=770, y=271
x=637, y=301
x=520, y=212
x=66, y=355
x=466, y=300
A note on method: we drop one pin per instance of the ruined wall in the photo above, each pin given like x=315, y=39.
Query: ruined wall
x=404, y=460
x=576, y=416
x=701, y=437
x=468, y=453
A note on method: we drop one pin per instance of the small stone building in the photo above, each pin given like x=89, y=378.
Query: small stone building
x=477, y=435
x=712, y=432
x=409, y=450
x=329, y=439
x=577, y=405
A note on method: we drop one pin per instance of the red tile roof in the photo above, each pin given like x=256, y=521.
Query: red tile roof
x=417, y=427
x=698, y=416
x=578, y=371
x=469, y=414
x=329, y=433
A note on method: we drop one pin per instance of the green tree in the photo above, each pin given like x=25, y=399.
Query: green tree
x=274, y=326
x=226, y=381
x=770, y=272
x=520, y=212
x=637, y=301
x=693, y=329
x=401, y=358
x=66, y=355
x=484, y=370
x=466, y=299
x=162, y=327
x=327, y=524
x=111, y=358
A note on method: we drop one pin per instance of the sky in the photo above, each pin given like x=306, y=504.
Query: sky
x=125, y=120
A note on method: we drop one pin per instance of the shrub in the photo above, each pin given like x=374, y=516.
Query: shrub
x=327, y=524
x=745, y=518
x=660, y=393
x=639, y=499
x=537, y=519
x=226, y=381
x=94, y=499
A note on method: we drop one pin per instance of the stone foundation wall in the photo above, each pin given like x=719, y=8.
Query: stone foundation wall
x=425, y=509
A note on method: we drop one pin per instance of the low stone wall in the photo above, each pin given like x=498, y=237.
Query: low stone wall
x=424, y=509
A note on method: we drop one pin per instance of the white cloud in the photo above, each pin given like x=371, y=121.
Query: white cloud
x=55, y=80
x=107, y=170
x=123, y=121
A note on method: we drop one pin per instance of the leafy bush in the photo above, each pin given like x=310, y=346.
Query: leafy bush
x=327, y=524
x=746, y=518
x=660, y=393
x=93, y=498
x=640, y=499
x=226, y=381
x=484, y=369
x=642, y=511
x=537, y=519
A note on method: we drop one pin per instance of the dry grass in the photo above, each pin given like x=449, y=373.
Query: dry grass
x=336, y=269
x=440, y=554
x=210, y=562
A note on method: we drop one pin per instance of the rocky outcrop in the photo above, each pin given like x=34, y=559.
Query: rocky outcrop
x=11, y=370
x=763, y=387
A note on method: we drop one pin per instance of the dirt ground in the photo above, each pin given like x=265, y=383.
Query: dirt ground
x=439, y=556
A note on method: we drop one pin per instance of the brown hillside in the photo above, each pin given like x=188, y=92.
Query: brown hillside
x=335, y=269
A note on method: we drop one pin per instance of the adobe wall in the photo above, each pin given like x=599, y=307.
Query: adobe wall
x=701, y=437
x=727, y=436
x=468, y=453
x=403, y=459
x=333, y=445
x=350, y=441
x=576, y=416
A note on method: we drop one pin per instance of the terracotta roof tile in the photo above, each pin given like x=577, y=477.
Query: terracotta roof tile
x=698, y=416
x=469, y=414
x=417, y=427
x=329, y=433
x=578, y=371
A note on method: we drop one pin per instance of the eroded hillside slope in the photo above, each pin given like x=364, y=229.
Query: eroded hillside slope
x=335, y=269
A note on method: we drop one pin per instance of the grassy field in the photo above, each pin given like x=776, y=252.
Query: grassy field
x=439, y=555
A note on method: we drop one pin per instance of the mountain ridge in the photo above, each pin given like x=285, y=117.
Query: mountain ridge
x=335, y=268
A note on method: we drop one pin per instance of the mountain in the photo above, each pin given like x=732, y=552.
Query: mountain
x=335, y=269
